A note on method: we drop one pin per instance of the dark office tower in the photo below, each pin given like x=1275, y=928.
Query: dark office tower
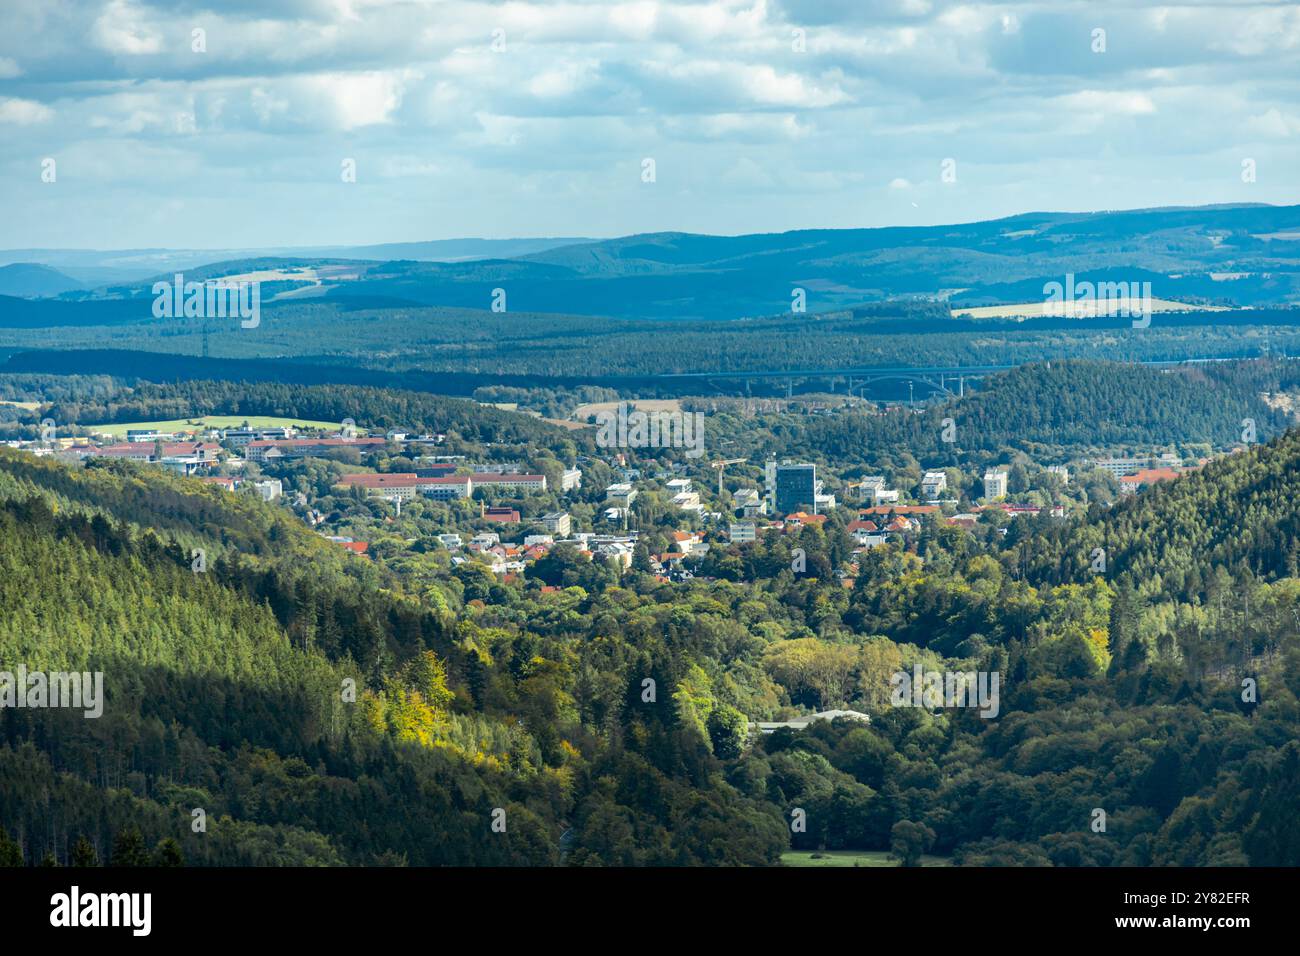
x=795, y=488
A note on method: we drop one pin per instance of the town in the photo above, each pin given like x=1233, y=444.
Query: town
x=504, y=517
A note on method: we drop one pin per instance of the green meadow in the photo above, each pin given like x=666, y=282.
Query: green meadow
x=211, y=421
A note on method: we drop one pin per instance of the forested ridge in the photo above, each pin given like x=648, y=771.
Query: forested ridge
x=1053, y=411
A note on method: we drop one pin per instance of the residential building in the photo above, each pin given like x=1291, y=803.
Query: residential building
x=406, y=485
x=273, y=449
x=866, y=488
x=502, y=515
x=689, y=542
x=185, y=457
x=1119, y=467
x=995, y=485
x=148, y=434
x=933, y=485
x=450, y=540
x=239, y=437
x=620, y=495
x=741, y=532
x=558, y=523
x=1130, y=484
x=269, y=488
x=436, y=469
x=688, y=500
x=447, y=487
x=1060, y=471
x=749, y=503
x=617, y=552
x=517, y=484
x=571, y=480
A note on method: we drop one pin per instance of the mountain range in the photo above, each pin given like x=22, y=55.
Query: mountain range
x=1234, y=255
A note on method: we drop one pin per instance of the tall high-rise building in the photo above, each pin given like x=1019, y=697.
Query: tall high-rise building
x=792, y=487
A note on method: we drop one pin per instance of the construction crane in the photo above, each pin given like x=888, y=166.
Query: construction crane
x=721, y=464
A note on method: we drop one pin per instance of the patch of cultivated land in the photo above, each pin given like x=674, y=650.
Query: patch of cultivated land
x=583, y=412
x=1079, y=310
x=851, y=858
x=212, y=421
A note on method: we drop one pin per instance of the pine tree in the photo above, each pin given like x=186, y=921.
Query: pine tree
x=83, y=853
x=129, y=848
x=10, y=853
x=168, y=853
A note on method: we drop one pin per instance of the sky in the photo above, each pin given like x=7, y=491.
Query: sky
x=128, y=124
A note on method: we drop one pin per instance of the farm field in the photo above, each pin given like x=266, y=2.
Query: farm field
x=119, y=430
x=1079, y=309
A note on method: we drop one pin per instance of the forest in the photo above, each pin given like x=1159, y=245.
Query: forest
x=600, y=714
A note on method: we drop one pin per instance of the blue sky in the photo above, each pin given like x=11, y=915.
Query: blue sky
x=534, y=118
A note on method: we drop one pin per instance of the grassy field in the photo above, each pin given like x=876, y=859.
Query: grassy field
x=1079, y=309
x=212, y=421
x=852, y=858
x=582, y=412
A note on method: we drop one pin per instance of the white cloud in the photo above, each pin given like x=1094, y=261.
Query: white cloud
x=23, y=112
x=585, y=88
x=1273, y=124
x=359, y=99
x=121, y=28
x=1107, y=102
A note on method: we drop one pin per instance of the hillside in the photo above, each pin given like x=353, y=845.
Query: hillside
x=224, y=692
x=220, y=696
x=1048, y=410
x=31, y=280
x=1235, y=255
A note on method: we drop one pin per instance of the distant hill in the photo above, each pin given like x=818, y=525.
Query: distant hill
x=32, y=280
x=450, y=250
x=1236, y=255
x=95, y=268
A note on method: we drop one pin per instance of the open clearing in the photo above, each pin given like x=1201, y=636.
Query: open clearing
x=1082, y=309
x=582, y=412
x=852, y=858
x=212, y=421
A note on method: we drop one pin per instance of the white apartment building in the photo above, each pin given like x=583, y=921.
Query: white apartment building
x=558, y=523
x=933, y=485
x=741, y=532
x=620, y=495
x=749, y=502
x=995, y=485
x=269, y=488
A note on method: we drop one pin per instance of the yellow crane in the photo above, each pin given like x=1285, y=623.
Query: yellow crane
x=721, y=464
